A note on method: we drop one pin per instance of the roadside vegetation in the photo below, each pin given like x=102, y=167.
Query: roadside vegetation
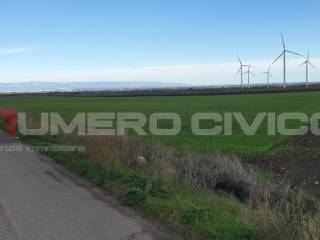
x=203, y=196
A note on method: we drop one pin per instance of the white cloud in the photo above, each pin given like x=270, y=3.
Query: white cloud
x=14, y=50
x=196, y=74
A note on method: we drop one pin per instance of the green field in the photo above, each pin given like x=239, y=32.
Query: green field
x=162, y=191
x=249, y=105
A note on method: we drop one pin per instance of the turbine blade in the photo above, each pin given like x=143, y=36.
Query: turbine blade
x=294, y=53
x=284, y=46
x=239, y=59
x=238, y=71
x=312, y=65
x=278, y=57
x=270, y=75
x=303, y=63
x=308, y=55
x=252, y=74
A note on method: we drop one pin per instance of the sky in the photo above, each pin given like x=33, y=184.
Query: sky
x=184, y=41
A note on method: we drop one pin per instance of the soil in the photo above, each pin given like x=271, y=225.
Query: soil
x=300, y=166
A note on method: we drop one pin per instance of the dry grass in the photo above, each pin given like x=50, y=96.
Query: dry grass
x=282, y=212
x=279, y=211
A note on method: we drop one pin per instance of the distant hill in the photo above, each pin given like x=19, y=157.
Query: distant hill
x=82, y=86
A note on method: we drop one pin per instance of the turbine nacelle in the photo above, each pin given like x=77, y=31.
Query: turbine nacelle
x=241, y=70
x=283, y=53
x=307, y=63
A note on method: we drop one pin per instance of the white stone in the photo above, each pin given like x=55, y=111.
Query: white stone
x=141, y=161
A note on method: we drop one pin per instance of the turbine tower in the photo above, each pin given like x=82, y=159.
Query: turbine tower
x=307, y=63
x=249, y=73
x=268, y=74
x=241, y=71
x=284, y=52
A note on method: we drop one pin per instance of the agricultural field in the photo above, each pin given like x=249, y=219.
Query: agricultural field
x=208, y=187
x=186, y=106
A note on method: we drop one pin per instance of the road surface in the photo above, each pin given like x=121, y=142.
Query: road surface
x=41, y=201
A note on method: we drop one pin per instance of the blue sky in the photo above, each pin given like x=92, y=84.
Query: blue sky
x=69, y=40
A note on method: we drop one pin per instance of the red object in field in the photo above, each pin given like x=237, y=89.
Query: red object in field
x=10, y=118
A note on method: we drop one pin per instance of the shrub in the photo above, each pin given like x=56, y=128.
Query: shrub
x=133, y=197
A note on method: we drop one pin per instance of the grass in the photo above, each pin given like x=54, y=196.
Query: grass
x=181, y=192
x=249, y=105
x=195, y=213
x=200, y=194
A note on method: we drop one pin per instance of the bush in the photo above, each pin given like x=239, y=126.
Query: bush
x=133, y=197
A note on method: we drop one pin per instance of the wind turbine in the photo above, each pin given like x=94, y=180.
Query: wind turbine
x=268, y=74
x=284, y=52
x=241, y=71
x=249, y=73
x=307, y=63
